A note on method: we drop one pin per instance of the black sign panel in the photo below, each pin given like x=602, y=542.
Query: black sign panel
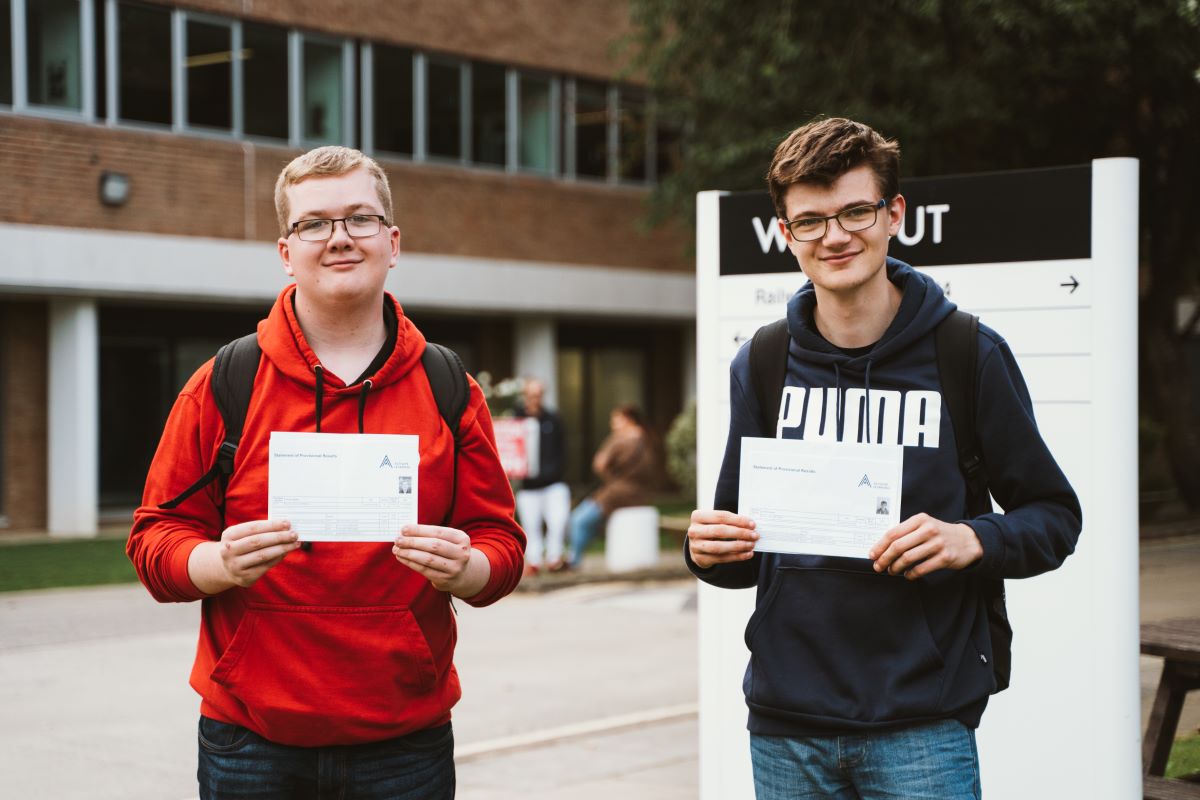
x=999, y=217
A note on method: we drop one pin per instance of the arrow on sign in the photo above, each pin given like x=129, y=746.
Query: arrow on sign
x=1074, y=284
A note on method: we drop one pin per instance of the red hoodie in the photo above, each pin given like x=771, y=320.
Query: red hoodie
x=339, y=644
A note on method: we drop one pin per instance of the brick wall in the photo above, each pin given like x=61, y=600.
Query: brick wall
x=575, y=36
x=23, y=358
x=196, y=186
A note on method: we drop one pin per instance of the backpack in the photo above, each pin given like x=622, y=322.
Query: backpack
x=956, y=340
x=232, y=383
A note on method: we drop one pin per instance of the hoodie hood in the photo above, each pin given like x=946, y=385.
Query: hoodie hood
x=283, y=342
x=922, y=307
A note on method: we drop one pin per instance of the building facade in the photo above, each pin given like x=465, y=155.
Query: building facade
x=139, y=145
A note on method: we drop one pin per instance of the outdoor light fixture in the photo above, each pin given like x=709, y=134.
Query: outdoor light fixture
x=114, y=188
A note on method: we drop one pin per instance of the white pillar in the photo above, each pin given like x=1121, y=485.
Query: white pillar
x=73, y=418
x=536, y=355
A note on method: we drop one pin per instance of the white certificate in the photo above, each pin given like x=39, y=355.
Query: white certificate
x=820, y=498
x=343, y=487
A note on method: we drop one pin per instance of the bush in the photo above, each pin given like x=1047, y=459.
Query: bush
x=681, y=451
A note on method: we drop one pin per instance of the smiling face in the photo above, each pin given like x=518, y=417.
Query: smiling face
x=341, y=269
x=843, y=262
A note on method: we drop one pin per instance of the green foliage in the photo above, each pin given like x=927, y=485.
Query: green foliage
x=44, y=565
x=964, y=86
x=1184, y=760
x=681, y=451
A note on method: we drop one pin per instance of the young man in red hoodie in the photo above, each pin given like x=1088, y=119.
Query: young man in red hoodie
x=328, y=669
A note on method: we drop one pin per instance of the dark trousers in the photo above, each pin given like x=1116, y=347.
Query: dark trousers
x=237, y=763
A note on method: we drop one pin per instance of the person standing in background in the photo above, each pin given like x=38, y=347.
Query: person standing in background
x=544, y=497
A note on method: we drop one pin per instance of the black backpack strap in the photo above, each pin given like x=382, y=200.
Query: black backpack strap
x=232, y=383
x=448, y=380
x=957, y=340
x=768, y=370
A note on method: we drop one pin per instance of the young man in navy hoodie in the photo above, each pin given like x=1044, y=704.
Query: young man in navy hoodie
x=869, y=676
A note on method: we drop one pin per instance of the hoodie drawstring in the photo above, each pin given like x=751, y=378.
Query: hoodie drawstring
x=362, y=402
x=867, y=384
x=837, y=401
x=320, y=392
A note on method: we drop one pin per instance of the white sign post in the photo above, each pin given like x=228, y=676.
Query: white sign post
x=1048, y=258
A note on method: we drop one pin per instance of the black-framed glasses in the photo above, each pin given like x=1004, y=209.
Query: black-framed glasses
x=358, y=226
x=859, y=218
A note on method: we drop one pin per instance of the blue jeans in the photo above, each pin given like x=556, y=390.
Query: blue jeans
x=931, y=761
x=586, y=521
x=237, y=763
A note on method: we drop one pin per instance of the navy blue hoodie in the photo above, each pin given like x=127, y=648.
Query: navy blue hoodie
x=835, y=646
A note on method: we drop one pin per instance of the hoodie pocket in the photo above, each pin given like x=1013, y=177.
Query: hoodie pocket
x=843, y=645
x=305, y=667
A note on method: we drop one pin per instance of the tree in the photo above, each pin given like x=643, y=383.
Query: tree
x=965, y=86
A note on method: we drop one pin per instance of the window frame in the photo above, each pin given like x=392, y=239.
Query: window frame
x=464, y=111
x=296, y=133
x=113, y=68
x=182, y=123
x=18, y=27
x=555, y=103
x=649, y=143
x=469, y=121
x=610, y=134
x=357, y=101
x=258, y=138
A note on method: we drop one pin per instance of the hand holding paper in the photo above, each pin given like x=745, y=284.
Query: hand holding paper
x=445, y=557
x=720, y=537
x=922, y=544
x=243, y=555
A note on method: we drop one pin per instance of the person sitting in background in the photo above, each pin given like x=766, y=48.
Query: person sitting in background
x=545, y=496
x=627, y=468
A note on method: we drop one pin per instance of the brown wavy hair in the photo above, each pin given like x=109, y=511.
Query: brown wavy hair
x=824, y=150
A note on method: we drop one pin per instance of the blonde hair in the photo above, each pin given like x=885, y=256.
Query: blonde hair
x=332, y=160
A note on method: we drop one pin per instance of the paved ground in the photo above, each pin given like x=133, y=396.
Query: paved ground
x=584, y=692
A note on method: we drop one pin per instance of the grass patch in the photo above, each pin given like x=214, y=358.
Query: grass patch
x=46, y=565
x=675, y=508
x=1185, y=758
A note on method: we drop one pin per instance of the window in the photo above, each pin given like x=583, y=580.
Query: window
x=537, y=124
x=100, y=57
x=322, y=102
x=6, y=97
x=209, y=70
x=591, y=129
x=393, y=96
x=488, y=104
x=264, y=80
x=444, y=115
x=144, y=63
x=53, y=53
x=631, y=152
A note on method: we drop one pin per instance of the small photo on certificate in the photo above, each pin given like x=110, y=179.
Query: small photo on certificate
x=820, y=498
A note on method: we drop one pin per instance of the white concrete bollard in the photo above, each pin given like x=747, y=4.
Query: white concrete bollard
x=632, y=539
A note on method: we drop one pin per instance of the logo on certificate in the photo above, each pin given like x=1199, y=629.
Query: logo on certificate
x=865, y=481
